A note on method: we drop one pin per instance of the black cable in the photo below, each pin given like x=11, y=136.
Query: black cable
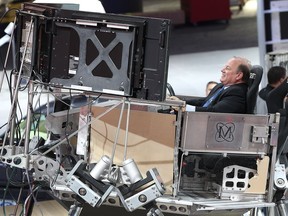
x=18, y=132
x=67, y=120
x=17, y=119
x=3, y=125
x=10, y=177
x=5, y=193
x=39, y=119
x=32, y=199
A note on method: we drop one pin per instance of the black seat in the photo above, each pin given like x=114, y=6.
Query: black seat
x=253, y=87
x=170, y=90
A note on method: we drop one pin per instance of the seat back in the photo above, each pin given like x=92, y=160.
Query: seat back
x=256, y=74
x=170, y=90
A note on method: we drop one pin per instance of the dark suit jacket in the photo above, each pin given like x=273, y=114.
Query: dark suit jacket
x=231, y=100
x=263, y=93
x=276, y=96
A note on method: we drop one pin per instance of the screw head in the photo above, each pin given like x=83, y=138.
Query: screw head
x=82, y=191
x=142, y=198
x=280, y=181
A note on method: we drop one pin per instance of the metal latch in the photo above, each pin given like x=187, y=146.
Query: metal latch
x=260, y=134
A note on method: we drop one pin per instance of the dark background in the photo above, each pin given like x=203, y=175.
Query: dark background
x=214, y=35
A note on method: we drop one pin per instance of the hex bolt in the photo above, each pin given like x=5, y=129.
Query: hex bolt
x=280, y=181
x=82, y=191
x=142, y=198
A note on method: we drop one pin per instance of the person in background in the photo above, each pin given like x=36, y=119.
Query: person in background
x=209, y=86
x=276, y=75
x=229, y=96
x=275, y=93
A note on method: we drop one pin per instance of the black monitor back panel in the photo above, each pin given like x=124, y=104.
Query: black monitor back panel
x=104, y=53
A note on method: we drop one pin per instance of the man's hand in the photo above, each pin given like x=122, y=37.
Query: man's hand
x=175, y=108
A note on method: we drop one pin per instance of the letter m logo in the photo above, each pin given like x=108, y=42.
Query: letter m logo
x=224, y=132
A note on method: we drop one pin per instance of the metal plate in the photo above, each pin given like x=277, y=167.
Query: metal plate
x=223, y=132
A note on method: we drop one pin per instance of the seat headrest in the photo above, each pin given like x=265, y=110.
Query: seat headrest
x=256, y=74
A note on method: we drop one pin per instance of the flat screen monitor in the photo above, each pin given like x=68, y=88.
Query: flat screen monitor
x=103, y=53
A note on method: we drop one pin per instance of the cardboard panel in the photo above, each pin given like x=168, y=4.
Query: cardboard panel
x=150, y=140
x=258, y=182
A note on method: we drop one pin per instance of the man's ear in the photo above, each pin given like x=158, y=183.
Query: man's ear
x=239, y=76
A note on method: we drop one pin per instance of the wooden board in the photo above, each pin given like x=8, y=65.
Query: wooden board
x=150, y=143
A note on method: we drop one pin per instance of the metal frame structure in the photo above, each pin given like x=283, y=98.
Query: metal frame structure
x=217, y=159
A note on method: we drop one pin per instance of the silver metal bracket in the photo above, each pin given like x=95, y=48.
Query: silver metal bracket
x=260, y=134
